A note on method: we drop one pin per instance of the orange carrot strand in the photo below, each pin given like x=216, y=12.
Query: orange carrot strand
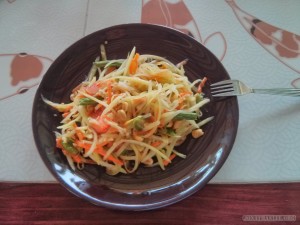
x=79, y=134
x=165, y=162
x=134, y=64
x=201, y=85
x=59, y=143
x=99, y=149
x=156, y=143
x=77, y=159
x=102, y=152
x=109, y=92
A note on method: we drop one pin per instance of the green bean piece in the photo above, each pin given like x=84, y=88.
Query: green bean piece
x=68, y=146
x=186, y=116
x=92, y=72
x=102, y=64
x=88, y=101
x=198, y=97
x=170, y=131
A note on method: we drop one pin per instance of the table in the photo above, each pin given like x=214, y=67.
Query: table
x=215, y=204
x=258, y=42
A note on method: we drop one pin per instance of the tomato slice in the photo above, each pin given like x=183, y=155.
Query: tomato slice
x=93, y=89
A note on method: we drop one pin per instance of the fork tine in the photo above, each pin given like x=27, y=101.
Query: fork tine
x=225, y=90
x=222, y=82
x=224, y=94
x=222, y=86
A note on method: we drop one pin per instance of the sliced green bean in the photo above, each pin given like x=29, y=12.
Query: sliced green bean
x=105, y=64
x=68, y=146
x=170, y=131
x=88, y=101
x=186, y=116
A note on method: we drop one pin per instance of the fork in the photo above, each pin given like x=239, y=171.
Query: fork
x=236, y=88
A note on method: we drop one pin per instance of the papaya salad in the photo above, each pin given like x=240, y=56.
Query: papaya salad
x=130, y=112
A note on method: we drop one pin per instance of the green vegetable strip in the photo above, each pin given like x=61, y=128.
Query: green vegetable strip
x=185, y=116
x=102, y=64
x=170, y=131
x=199, y=98
x=93, y=71
x=87, y=101
x=69, y=147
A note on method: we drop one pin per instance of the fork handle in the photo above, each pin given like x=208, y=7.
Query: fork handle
x=278, y=91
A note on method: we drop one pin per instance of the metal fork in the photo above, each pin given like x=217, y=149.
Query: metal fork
x=236, y=88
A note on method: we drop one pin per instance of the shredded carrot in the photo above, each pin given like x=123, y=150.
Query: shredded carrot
x=77, y=158
x=102, y=152
x=184, y=93
x=181, y=99
x=68, y=108
x=201, y=85
x=179, y=106
x=99, y=149
x=59, y=142
x=110, y=69
x=79, y=134
x=109, y=92
x=64, y=110
x=64, y=115
x=156, y=143
x=99, y=125
x=165, y=162
x=134, y=64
